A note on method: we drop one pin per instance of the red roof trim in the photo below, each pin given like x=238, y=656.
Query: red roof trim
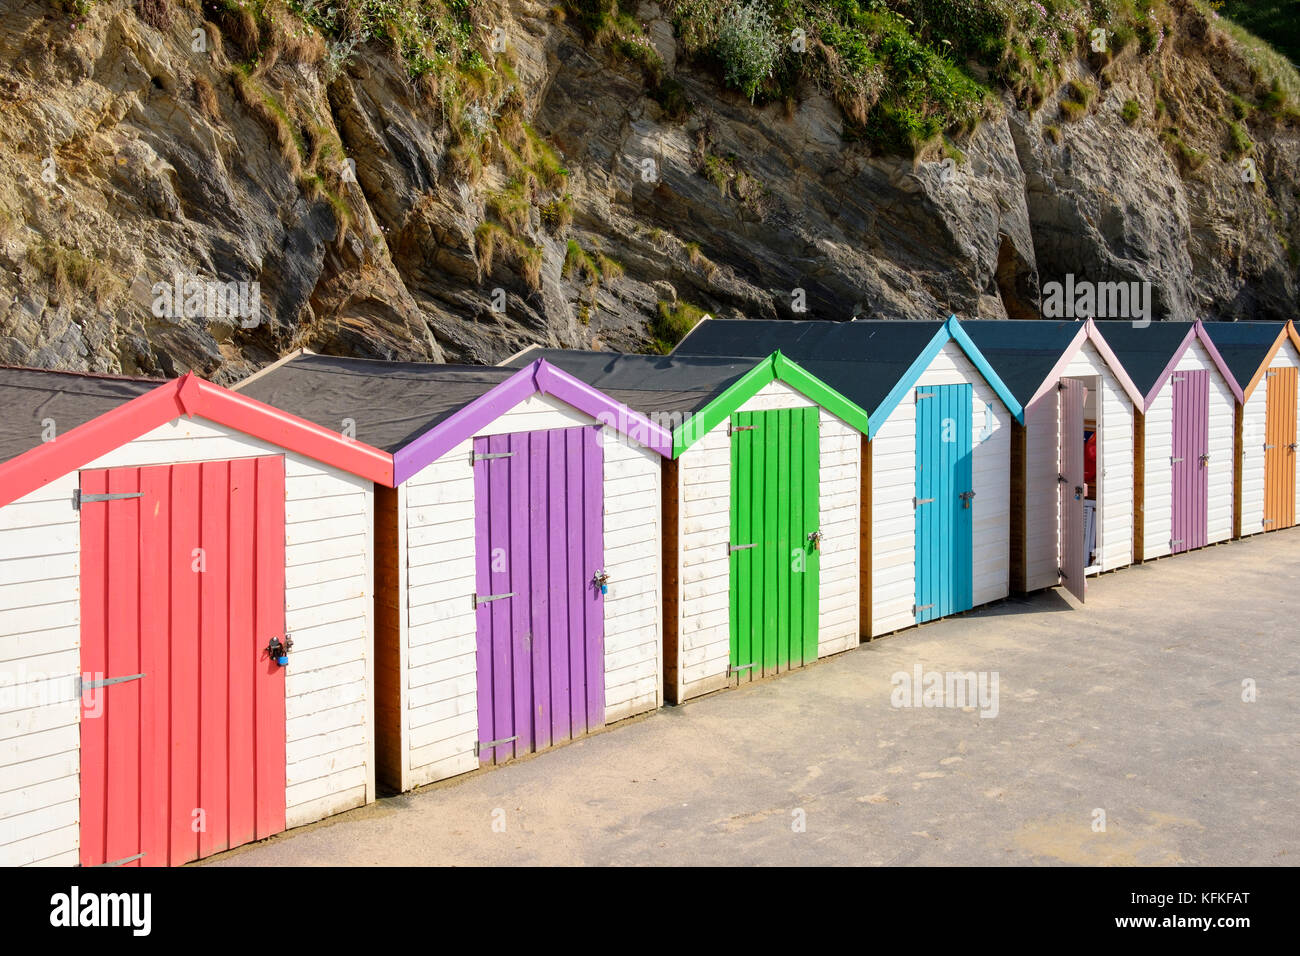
x=194, y=397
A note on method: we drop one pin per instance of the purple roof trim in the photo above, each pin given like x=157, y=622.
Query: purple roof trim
x=538, y=378
x=1197, y=331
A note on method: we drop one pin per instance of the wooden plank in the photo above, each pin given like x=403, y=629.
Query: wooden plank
x=1139, y=484
x=389, y=742
x=270, y=705
x=214, y=663
x=94, y=661
x=121, y=702
x=670, y=499
x=864, y=541
x=155, y=662
x=1238, y=452
x=1019, y=570
x=591, y=518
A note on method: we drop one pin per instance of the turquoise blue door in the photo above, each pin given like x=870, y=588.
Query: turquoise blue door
x=944, y=502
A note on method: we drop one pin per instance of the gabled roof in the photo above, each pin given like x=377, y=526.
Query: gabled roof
x=873, y=364
x=1150, y=353
x=419, y=411
x=129, y=418
x=700, y=392
x=1248, y=348
x=1031, y=355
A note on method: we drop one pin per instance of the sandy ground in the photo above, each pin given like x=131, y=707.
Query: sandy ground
x=1131, y=705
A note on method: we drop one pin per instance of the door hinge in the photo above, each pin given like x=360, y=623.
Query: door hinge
x=737, y=668
x=1060, y=478
x=79, y=499
x=1174, y=541
x=917, y=608
x=1268, y=521
x=740, y=547
x=122, y=862
x=917, y=502
x=732, y=429
x=473, y=457
x=480, y=745
x=1270, y=373
x=1177, y=378
x=485, y=598
x=84, y=685
x=1269, y=447
x=1060, y=572
x=1173, y=461
x=920, y=395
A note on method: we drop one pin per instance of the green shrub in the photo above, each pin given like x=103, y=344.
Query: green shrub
x=747, y=45
x=671, y=324
x=1131, y=112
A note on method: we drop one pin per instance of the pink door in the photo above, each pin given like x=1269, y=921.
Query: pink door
x=1073, y=546
x=183, y=711
x=1191, y=460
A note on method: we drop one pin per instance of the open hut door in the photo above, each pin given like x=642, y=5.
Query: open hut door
x=1073, y=544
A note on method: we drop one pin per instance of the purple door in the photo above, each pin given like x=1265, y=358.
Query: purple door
x=1190, y=460
x=538, y=508
x=1073, y=546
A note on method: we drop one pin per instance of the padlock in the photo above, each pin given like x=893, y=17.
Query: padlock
x=601, y=580
x=279, y=652
x=816, y=538
x=1078, y=492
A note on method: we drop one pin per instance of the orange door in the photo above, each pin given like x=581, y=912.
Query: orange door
x=1280, y=449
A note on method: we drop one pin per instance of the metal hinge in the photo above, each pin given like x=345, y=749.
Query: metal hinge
x=740, y=547
x=917, y=502
x=484, y=599
x=917, y=608
x=122, y=862
x=79, y=499
x=740, y=428
x=1269, y=447
x=1177, y=378
x=737, y=668
x=1060, y=478
x=1174, y=541
x=925, y=394
x=1173, y=461
x=480, y=745
x=1270, y=373
x=499, y=454
x=85, y=685
x=1268, y=521
x=1060, y=572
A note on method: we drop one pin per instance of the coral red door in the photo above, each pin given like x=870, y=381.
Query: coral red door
x=182, y=719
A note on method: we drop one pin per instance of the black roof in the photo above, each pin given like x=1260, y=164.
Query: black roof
x=862, y=360
x=1144, y=351
x=1022, y=351
x=649, y=384
x=1243, y=346
x=392, y=403
x=29, y=396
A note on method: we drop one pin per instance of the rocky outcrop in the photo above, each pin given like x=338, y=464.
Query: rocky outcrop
x=129, y=158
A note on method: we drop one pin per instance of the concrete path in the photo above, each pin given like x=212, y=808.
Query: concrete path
x=1131, y=705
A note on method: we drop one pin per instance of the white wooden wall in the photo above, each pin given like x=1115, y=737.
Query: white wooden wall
x=436, y=512
x=1253, y=435
x=328, y=610
x=893, y=485
x=1158, y=478
x=704, y=568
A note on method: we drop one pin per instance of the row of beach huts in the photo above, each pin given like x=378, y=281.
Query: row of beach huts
x=228, y=612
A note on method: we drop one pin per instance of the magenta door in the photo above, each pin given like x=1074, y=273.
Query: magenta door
x=538, y=545
x=1190, y=460
x=1073, y=558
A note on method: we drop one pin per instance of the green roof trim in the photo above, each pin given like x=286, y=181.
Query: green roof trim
x=776, y=367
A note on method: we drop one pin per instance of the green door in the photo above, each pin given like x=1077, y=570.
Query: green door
x=775, y=508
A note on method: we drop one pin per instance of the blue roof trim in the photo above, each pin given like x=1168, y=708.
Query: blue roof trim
x=950, y=331
x=980, y=362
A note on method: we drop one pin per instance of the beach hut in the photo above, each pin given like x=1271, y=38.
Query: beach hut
x=185, y=620
x=936, y=497
x=761, y=510
x=1072, y=460
x=518, y=591
x=1263, y=358
x=1185, y=480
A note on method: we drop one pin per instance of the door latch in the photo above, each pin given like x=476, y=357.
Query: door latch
x=966, y=497
x=279, y=652
x=1078, y=492
x=1205, y=459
